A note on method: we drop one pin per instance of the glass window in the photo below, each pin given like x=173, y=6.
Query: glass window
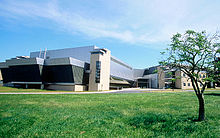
x=97, y=73
x=184, y=75
x=184, y=84
x=188, y=84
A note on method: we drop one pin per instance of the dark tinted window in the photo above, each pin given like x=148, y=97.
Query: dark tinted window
x=97, y=73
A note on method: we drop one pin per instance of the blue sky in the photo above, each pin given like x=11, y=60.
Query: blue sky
x=134, y=30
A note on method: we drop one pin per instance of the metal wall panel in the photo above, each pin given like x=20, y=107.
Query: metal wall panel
x=138, y=73
x=64, y=61
x=26, y=61
x=120, y=71
x=78, y=73
x=80, y=53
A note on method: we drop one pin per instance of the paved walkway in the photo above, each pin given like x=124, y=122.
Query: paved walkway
x=101, y=92
x=59, y=92
x=98, y=92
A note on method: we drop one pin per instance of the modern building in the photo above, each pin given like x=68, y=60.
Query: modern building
x=84, y=68
x=157, y=77
x=178, y=79
x=74, y=69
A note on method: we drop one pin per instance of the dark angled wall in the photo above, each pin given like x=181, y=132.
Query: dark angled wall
x=63, y=74
x=151, y=70
x=46, y=74
x=58, y=73
x=22, y=73
x=6, y=75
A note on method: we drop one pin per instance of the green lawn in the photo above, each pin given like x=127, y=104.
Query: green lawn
x=108, y=115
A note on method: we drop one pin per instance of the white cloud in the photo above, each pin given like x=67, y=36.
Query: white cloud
x=141, y=21
x=71, y=22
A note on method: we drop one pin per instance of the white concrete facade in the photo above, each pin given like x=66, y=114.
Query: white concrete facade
x=99, y=78
x=0, y=75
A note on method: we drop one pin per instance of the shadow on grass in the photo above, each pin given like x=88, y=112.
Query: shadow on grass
x=163, y=123
x=148, y=119
x=213, y=94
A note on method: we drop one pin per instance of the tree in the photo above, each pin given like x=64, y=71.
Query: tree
x=193, y=53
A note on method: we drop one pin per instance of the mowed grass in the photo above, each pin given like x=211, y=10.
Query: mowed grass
x=108, y=115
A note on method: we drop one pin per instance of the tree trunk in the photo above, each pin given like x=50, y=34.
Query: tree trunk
x=201, y=107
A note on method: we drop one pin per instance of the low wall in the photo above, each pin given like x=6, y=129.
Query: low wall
x=66, y=87
x=80, y=88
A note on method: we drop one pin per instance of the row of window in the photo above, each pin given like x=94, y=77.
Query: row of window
x=200, y=75
x=97, y=73
x=189, y=84
x=184, y=84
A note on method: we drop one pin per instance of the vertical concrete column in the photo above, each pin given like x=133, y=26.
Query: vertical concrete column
x=161, y=77
x=99, y=78
x=0, y=75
